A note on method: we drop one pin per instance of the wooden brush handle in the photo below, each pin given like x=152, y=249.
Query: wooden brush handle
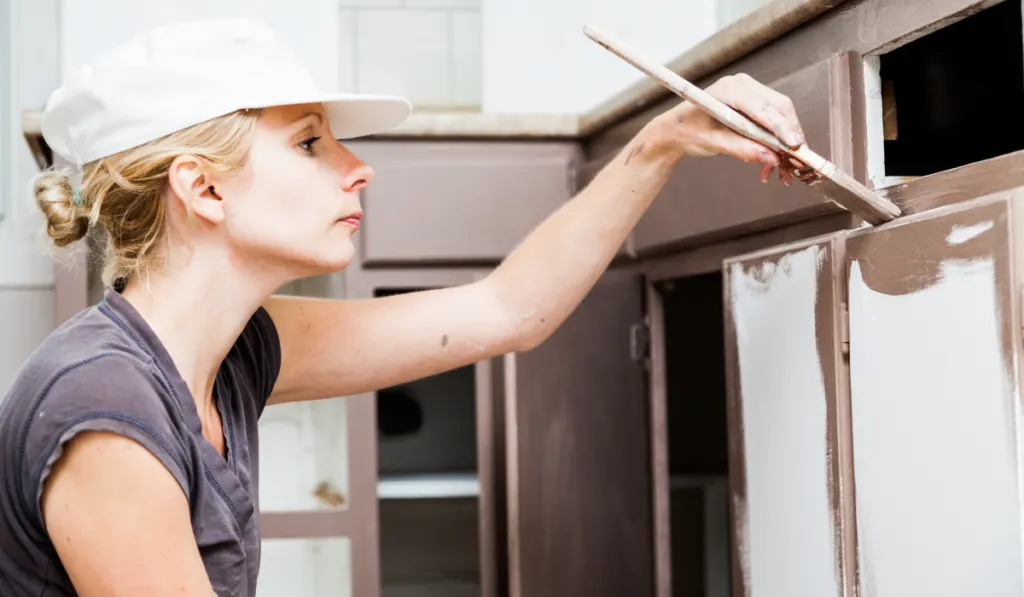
x=688, y=91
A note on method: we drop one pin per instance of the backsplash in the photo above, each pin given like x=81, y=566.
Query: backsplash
x=426, y=50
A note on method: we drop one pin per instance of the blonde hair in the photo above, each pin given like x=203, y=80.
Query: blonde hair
x=124, y=192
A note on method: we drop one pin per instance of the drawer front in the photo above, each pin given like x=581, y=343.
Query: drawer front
x=718, y=197
x=447, y=202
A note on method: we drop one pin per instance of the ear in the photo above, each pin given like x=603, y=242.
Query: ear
x=194, y=189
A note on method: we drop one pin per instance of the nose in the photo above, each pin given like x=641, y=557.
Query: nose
x=356, y=174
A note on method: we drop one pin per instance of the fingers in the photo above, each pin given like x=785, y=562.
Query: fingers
x=765, y=106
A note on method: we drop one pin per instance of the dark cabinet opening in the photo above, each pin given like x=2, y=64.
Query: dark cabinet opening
x=954, y=96
x=428, y=486
x=698, y=461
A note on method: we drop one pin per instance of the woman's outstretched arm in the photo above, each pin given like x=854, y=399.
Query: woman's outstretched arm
x=332, y=348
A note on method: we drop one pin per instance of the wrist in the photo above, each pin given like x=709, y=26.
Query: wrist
x=660, y=142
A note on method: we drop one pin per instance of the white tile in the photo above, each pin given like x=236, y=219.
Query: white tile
x=442, y=3
x=466, y=57
x=347, y=50
x=369, y=3
x=405, y=52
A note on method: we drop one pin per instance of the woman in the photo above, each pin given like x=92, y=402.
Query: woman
x=128, y=448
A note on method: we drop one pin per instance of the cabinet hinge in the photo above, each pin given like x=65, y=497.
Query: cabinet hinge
x=640, y=343
x=844, y=330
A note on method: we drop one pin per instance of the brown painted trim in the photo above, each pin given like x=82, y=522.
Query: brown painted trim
x=737, y=460
x=660, y=474
x=968, y=182
x=32, y=129
x=848, y=120
x=486, y=475
x=515, y=565
x=709, y=258
x=362, y=427
x=305, y=523
x=830, y=321
x=844, y=483
x=363, y=503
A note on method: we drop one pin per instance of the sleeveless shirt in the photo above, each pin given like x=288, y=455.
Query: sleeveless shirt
x=105, y=369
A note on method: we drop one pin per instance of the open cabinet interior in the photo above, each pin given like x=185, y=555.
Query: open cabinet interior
x=428, y=486
x=697, y=435
x=949, y=98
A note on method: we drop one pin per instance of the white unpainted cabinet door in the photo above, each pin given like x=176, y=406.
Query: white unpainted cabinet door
x=935, y=396
x=788, y=459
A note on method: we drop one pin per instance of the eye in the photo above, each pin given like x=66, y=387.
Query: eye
x=308, y=143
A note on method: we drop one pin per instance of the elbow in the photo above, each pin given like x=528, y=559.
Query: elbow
x=530, y=335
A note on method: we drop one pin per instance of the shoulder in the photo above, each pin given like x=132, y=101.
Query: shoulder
x=88, y=376
x=257, y=356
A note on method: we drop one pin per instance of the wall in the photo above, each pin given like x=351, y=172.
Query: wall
x=29, y=72
x=537, y=59
x=426, y=50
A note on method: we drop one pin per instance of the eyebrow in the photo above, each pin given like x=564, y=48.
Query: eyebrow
x=307, y=114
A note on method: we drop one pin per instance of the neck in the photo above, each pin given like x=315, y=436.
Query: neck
x=198, y=312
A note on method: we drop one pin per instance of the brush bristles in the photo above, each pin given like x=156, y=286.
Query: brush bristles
x=859, y=199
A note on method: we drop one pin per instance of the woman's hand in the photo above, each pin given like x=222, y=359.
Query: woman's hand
x=686, y=130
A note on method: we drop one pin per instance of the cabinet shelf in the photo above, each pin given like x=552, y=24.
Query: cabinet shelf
x=428, y=486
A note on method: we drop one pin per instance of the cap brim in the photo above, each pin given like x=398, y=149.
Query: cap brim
x=353, y=116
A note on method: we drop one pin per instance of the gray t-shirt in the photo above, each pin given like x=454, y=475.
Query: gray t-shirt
x=105, y=369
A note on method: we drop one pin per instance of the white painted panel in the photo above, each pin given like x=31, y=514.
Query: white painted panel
x=26, y=318
x=305, y=568
x=787, y=533
x=938, y=505
x=304, y=456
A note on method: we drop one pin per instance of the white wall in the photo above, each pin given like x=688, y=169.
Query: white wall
x=537, y=59
x=29, y=72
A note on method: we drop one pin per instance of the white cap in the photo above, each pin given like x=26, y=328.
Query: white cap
x=174, y=76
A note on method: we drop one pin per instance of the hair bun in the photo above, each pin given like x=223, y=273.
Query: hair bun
x=66, y=222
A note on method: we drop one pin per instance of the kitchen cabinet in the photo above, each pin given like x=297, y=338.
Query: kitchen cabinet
x=471, y=202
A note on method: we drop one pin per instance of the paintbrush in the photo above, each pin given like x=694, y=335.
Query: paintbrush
x=838, y=186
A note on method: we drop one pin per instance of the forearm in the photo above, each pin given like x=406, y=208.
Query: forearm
x=557, y=264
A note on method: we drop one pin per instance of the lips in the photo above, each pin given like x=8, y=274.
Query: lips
x=353, y=220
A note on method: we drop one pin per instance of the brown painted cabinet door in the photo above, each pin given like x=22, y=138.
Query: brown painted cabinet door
x=719, y=197
x=788, y=421
x=935, y=334
x=459, y=202
x=578, y=472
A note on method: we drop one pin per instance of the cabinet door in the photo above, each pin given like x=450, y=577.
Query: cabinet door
x=935, y=397
x=717, y=197
x=577, y=455
x=466, y=202
x=789, y=456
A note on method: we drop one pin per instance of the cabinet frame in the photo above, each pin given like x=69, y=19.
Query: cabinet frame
x=363, y=449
